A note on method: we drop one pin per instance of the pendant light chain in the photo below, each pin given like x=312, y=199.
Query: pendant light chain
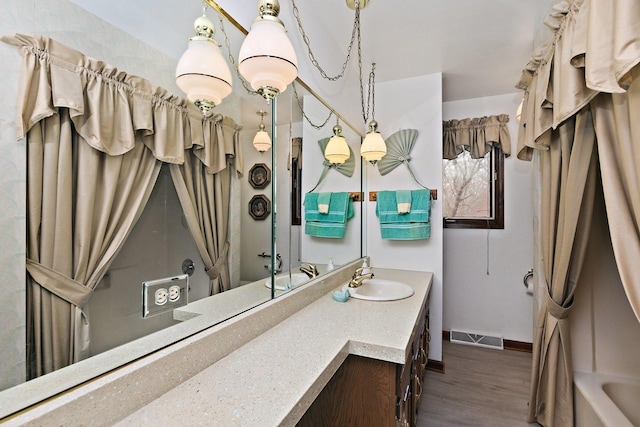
x=371, y=94
x=295, y=91
x=314, y=61
x=233, y=61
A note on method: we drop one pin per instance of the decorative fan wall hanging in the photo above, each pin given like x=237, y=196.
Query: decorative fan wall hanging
x=399, y=146
x=345, y=168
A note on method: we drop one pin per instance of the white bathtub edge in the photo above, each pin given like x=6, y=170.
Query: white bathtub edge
x=590, y=386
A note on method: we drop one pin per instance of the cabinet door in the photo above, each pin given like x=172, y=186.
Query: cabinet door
x=404, y=391
x=361, y=393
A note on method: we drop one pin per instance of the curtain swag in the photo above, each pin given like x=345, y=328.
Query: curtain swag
x=477, y=136
x=109, y=107
x=581, y=111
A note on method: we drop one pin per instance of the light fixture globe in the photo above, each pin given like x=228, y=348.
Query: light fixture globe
x=373, y=147
x=267, y=58
x=337, y=149
x=262, y=140
x=202, y=72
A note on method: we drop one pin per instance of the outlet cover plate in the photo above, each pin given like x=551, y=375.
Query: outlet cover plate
x=166, y=294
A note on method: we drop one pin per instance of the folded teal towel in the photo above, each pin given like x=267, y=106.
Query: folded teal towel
x=403, y=201
x=332, y=224
x=413, y=225
x=409, y=231
x=324, y=200
x=327, y=230
x=387, y=210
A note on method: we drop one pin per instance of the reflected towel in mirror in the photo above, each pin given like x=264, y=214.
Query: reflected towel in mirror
x=332, y=224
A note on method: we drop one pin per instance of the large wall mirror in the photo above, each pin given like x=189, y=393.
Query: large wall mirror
x=160, y=245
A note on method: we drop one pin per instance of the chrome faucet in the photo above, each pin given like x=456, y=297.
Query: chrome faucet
x=310, y=270
x=358, y=278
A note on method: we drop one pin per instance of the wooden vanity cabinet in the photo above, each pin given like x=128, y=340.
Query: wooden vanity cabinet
x=369, y=392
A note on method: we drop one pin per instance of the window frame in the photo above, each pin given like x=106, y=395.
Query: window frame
x=496, y=221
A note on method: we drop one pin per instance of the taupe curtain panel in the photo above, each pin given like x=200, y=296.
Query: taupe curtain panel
x=477, y=136
x=582, y=111
x=96, y=139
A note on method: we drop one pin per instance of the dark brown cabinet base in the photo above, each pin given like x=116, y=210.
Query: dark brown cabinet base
x=368, y=392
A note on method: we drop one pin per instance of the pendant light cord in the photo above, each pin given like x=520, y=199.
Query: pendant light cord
x=354, y=33
x=295, y=91
x=371, y=93
x=233, y=61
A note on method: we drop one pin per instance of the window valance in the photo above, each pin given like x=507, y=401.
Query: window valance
x=477, y=136
x=112, y=110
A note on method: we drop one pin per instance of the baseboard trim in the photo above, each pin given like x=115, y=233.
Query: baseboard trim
x=435, y=365
x=525, y=347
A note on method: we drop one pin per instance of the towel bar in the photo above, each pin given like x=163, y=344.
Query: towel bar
x=373, y=195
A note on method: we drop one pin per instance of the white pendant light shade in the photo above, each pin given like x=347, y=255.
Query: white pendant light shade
x=337, y=150
x=202, y=72
x=373, y=147
x=262, y=141
x=267, y=58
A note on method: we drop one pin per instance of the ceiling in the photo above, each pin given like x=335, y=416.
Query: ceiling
x=480, y=47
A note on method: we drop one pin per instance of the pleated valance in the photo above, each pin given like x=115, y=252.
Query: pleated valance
x=477, y=136
x=112, y=110
x=595, y=46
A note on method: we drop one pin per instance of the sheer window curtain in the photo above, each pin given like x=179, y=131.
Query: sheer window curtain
x=581, y=110
x=96, y=139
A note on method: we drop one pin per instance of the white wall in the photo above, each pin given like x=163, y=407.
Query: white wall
x=70, y=25
x=494, y=303
x=316, y=249
x=414, y=103
x=256, y=234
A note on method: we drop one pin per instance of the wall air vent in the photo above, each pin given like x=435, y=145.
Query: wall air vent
x=479, y=340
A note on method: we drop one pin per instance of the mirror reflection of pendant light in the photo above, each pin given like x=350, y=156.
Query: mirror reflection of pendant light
x=262, y=141
x=337, y=150
x=202, y=72
x=373, y=147
x=267, y=58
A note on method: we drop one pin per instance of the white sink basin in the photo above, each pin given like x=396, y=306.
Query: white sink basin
x=283, y=280
x=380, y=290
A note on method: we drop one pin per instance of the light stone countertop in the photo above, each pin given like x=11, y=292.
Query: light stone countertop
x=273, y=379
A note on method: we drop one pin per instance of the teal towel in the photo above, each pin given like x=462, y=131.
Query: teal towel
x=408, y=231
x=325, y=229
x=403, y=201
x=413, y=225
x=387, y=210
x=332, y=224
x=324, y=201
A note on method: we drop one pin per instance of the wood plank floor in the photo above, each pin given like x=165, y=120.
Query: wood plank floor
x=480, y=387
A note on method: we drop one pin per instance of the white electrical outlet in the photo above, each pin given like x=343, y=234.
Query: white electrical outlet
x=163, y=295
x=174, y=293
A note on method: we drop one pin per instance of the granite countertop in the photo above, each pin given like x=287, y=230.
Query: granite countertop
x=274, y=378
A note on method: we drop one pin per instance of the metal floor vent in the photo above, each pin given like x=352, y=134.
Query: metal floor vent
x=470, y=338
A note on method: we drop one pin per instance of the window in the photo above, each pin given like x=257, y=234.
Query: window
x=474, y=191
